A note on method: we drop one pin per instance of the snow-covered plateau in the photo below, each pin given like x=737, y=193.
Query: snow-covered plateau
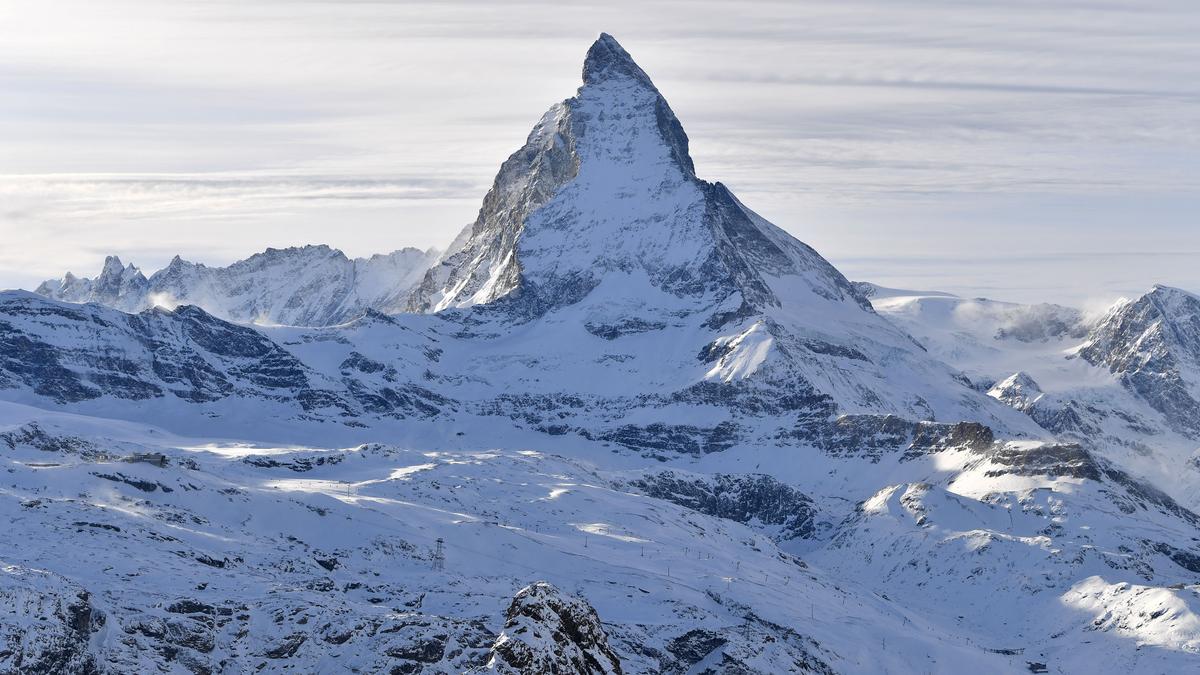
x=623, y=424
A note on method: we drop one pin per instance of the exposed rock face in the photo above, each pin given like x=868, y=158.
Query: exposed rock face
x=1064, y=416
x=186, y=353
x=613, y=301
x=479, y=265
x=873, y=436
x=76, y=354
x=1069, y=460
x=33, y=435
x=694, y=646
x=599, y=261
x=46, y=624
x=300, y=286
x=546, y=631
x=1153, y=345
x=540, y=239
x=740, y=649
x=659, y=439
x=755, y=499
x=122, y=287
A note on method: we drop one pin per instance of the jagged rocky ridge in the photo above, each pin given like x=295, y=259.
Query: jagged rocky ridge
x=546, y=632
x=302, y=286
x=1122, y=383
x=758, y=499
x=93, y=356
x=602, y=286
x=724, y=456
x=1153, y=345
x=541, y=242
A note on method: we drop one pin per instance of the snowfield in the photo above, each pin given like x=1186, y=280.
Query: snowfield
x=622, y=425
x=316, y=559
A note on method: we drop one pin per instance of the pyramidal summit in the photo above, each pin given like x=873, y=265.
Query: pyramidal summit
x=621, y=424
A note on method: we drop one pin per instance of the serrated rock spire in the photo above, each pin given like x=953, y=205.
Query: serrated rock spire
x=607, y=58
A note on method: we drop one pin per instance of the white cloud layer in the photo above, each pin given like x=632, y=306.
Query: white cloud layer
x=1021, y=150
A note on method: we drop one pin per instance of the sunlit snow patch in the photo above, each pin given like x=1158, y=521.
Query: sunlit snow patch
x=1156, y=616
x=744, y=354
x=602, y=529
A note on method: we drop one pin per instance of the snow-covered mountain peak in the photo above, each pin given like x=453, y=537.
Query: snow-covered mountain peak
x=605, y=191
x=632, y=120
x=1165, y=319
x=117, y=281
x=599, y=221
x=1169, y=290
x=1173, y=300
x=653, y=425
x=607, y=58
x=1152, y=344
x=614, y=85
x=112, y=267
x=314, y=285
x=118, y=285
x=1018, y=390
x=1163, y=299
x=603, y=182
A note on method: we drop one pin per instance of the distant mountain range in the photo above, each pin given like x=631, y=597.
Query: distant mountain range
x=623, y=424
x=305, y=286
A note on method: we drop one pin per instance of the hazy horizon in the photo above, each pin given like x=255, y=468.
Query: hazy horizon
x=1048, y=154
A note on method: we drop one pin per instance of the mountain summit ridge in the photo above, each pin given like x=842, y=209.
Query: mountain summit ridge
x=652, y=424
x=599, y=220
x=606, y=56
x=311, y=285
x=605, y=181
x=598, y=230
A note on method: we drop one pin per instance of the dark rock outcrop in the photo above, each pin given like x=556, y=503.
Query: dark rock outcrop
x=46, y=625
x=873, y=436
x=547, y=631
x=755, y=499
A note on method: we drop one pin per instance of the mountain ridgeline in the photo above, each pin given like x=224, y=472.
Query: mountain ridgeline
x=636, y=287
x=622, y=424
x=303, y=286
x=604, y=185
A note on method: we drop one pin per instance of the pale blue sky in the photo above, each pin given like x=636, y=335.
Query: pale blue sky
x=1020, y=150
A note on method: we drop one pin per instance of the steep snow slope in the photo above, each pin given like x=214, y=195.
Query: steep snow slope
x=315, y=559
x=118, y=286
x=1123, y=384
x=1152, y=344
x=310, y=559
x=604, y=291
x=599, y=222
x=305, y=286
x=621, y=382
x=186, y=368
